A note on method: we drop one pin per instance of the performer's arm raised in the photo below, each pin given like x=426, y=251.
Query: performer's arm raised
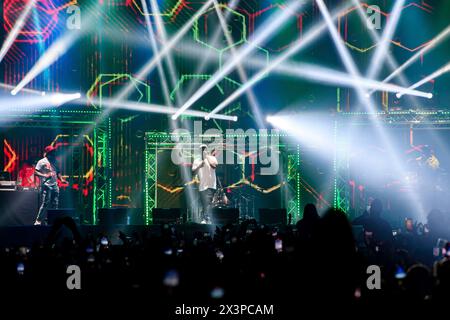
x=212, y=161
x=197, y=165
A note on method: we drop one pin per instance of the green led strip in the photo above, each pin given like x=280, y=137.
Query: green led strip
x=293, y=179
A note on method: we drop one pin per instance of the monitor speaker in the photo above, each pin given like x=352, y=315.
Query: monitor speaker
x=166, y=216
x=273, y=216
x=112, y=216
x=224, y=216
x=54, y=214
x=135, y=216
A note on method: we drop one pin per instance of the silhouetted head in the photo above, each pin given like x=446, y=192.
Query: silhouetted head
x=418, y=281
x=376, y=207
x=310, y=212
x=436, y=221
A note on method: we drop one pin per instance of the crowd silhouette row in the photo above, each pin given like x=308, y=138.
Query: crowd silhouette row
x=318, y=258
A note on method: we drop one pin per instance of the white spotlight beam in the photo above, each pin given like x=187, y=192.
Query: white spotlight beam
x=154, y=108
x=120, y=98
x=253, y=101
x=325, y=75
x=12, y=36
x=393, y=65
x=155, y=50
x=31, y=91
x=211, y=52
x=266, y=33
x=375, y=37
x=432, y=76
x=315, y=74
x=38, y=101
x=162, y=32
x=432, y=44
x=365, y=99
x=306, y=71
x=150, y=65
x=53, y=53
x=58, y=99
x=377, y=60
x=299, y=70
x=307, y=39
x=56, y=50
x=342, y=50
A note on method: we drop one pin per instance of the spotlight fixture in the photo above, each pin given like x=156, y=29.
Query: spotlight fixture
x=58, y=99
x=433, y=76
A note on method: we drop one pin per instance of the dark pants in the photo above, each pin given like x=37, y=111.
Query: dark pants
x=49, y=198
x=206, y=197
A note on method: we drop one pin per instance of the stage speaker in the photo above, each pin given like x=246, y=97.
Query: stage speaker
x=273, y=216
x=54, y=214
x=224, y=216
x=135, y=216
x=112, y=216
x=166, y=216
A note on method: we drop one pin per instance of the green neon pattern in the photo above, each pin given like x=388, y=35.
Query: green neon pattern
x=102, y=80
x=102, y=168
x=224, y=50
x=168, y=12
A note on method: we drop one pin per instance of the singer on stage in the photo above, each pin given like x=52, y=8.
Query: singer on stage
x=48, y=173
x=205, y=168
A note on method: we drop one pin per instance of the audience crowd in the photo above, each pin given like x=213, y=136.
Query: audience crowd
x=323, y=258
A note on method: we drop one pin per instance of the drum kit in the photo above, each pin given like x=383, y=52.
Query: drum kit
x=239, y=200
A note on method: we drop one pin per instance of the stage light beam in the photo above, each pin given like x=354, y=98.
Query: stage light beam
x=155, y=49
x=58, y=99
x=419, y=55
x=367, y=102
x=55, y=51
x=12, y=36
x=306, y=40
x=377, y=60
x=432, y=76
x=313, y=73
x=251, y=97
x=150, y=65
x=266, y=33
x=154, y=108
x=162, y=32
